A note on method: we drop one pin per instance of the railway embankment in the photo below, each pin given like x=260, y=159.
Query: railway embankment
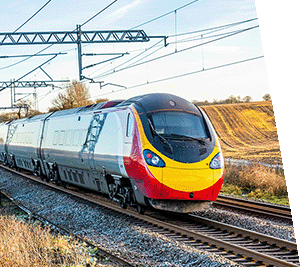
x=120, y=235
x=117, y=235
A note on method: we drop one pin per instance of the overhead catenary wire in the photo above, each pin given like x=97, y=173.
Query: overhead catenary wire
x=99, y=13
x=211, y=29
x=177, y=52
x=32, y=16
x=21, y=61
x=144, y=51
x=190, y=39
x=16, y=63
x=181, y=75
x=138, y=61
x=202, y=37
x=1, y=89
x=215, y=28
x=166, y=14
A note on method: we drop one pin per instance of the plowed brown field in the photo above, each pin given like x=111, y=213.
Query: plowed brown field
x=246, y=131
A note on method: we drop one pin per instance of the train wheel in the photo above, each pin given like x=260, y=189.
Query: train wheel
x=123, y=205
x=5, y=162
x=140, y=209
x=38, y=171
x=48, y=178
x=56, y=178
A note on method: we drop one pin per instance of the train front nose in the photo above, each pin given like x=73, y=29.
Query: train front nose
x=191, y=184
x=186, y=181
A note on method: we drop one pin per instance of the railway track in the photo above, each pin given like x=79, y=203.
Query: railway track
x=243, y=246
x=258, y=208
x=239, y=245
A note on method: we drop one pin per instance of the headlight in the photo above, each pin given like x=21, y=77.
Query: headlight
x=217, y=162
x=152, y=159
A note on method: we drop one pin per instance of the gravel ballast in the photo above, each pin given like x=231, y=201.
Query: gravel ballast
x=122, y=237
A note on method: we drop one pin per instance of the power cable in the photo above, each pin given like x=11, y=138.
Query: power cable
x=201, y=37
x=168, y=13
x=179, y=51
x=19, y=29
x=215, y=28
x=113, y=70
x=99, y=12
x=32, y=16
x=16, y=63
x=1, y=89
x=182, y=75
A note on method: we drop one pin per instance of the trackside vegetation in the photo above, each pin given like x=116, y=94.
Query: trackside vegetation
x=29, y=244
x=255, y=181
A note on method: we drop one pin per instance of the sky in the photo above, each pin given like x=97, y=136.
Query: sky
x=185, y=67
x=275, y=39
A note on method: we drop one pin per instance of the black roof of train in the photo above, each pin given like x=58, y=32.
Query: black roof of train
x=149, y=103
x=160, y=101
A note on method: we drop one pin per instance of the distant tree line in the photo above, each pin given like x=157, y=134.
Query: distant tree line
x=77, y=94
x=230, y=100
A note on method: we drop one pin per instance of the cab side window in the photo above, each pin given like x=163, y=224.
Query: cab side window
x=130, y=124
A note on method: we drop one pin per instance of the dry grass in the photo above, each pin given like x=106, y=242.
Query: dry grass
x=23, y=244
x=255, y=181
x=255, y=177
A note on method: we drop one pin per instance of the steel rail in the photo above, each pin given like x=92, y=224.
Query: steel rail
x=246, y=233
x=241, y=254
x=261, y=208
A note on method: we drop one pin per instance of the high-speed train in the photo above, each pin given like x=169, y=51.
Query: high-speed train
x=154, y=150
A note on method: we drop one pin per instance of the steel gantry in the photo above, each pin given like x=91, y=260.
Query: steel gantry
x=77, y=36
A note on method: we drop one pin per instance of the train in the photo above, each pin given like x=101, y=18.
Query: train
x=155, y=150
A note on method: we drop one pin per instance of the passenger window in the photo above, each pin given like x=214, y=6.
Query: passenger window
x=61, y=138
x=76, y=138
x=68, y=142
x=129, y=125
x=82, y=136
x=55, y=138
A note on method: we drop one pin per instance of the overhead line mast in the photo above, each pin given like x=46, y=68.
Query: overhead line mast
x=77, y=36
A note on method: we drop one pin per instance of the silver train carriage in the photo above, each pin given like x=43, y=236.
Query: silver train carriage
x=154, y=150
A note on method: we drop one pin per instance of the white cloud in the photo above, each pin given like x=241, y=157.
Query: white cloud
x=119, y=13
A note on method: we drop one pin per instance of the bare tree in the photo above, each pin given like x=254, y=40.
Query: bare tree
x=76, y=95
x=101, y=100
x=247, y=99
x=267, y=97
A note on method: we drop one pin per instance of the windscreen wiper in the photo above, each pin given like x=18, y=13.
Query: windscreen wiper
x=160, y=136
x=202, y=142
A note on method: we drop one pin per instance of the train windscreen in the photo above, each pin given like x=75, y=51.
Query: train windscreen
x=179, y=124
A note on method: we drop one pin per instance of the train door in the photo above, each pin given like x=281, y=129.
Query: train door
x=92, y=137
x=42, y=143
x=129, y=128
x=127, y=137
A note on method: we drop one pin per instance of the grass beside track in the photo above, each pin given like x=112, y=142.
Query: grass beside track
x=256, y=182
x=24, y=243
